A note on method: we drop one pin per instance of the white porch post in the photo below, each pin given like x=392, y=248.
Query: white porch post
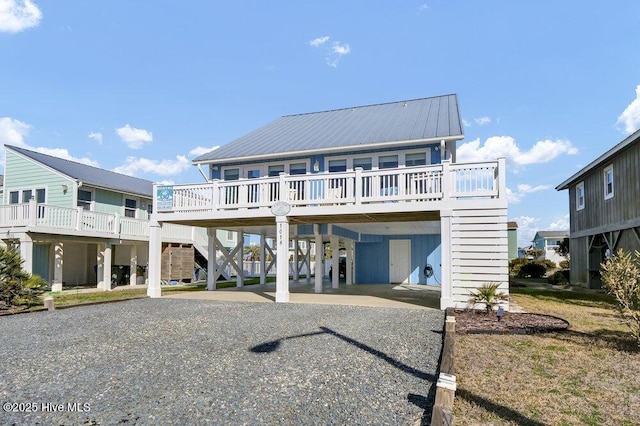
x=155, y=259
x=107, y=266
x=319, y=256
x=212, y=265
x=26, y=252
x=446, y=292
x=350, y=253
x=282, y=259
x=335, y=261
x=58, y=264
x=240, y=260
x=133, y=265
x=100, y=268
x=307, y=261
x=296, y=269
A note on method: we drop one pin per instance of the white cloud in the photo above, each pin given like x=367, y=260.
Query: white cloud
x=134, y=138
x=200, y=150
x=96, y=136
x=333, y=52
x=629, y=120
x=134, y=165
x=13, y=132
x=527, y=228
x=18, y=15
x=465, y=123
x=505, y=146
x=319, y=41
x=561, y=224
x=424, y=6
x=528, y=189
x=482, y=121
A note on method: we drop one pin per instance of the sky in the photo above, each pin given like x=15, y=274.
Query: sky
x=143, y=87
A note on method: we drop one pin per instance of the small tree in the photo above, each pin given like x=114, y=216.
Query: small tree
x=16, y=286
x=621, y=278
x=488, y=295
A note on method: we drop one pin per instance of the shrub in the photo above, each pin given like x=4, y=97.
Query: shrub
x=564, y=264
x=488, y=295
x=16, y=286
x=516, y=264
x=559, y=277
x=532, y=270
x=548, y=264
x=621, y=278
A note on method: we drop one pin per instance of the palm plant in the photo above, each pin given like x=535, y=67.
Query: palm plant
x=488, y=295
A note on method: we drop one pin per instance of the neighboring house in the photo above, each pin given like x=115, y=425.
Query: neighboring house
x=512, y=232
x=78, y=225
x=381, y=181
x=604, y=210
x=548, y=242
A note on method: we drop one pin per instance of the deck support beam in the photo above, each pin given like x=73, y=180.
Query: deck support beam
x=212, y=264
x=155, y=258
x=319, y=256
x=350, y=268
x=240, y=260
x=58, y=265
x=335, y=261
x=446, y=294
x=263, y=259
x=282, y=259
x=133, y=265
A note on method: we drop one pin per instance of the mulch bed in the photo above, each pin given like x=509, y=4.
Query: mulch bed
x=479, y=322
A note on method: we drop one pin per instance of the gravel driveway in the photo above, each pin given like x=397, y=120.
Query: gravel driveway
x=164, y=361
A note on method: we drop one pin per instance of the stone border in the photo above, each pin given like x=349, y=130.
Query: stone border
x=446, y=385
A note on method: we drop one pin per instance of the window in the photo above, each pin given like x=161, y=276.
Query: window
x=415, y=159
x=230, y=235
x=40, y=195
x=84, y=199
x=130, y=207
x=608, y=182
x=26, y=195
x=298, y=169
x=232, y=174
x=276, y=170
x=337, y=166
x=366, y=163
x=14, y=197
x=580, y=196
x=388, y=162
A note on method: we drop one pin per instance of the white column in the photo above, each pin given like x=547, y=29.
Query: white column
x=212, y=265
x=263, y=259
x=100, y=263
x=26, y=253
x=446, y=292
x=282, y=259
x=319, y=256
x=335, y=261
x=296, y=270
x=307, y=260
x=133, y=265
x=155, y=259
x=58, y=264
x=350, y=253
x=107, y=265
x=240, y=260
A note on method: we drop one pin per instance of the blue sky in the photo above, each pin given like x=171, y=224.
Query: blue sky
x=142, y=87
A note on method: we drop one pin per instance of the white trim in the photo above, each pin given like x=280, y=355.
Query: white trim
x=580, y=186
x=375, y=156
x=263, y=167
x=607, y=194
x=327, y=151
x=21, y=189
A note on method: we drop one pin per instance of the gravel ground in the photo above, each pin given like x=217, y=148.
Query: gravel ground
x=183, y=362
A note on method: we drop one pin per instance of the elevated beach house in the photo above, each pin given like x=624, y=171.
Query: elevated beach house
x=78, y=225
x=378, y=182
x=604, y=210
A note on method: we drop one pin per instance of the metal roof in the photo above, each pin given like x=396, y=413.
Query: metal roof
x=348, y=128
x=553, y=234
x=628, y=141
x=90, y=175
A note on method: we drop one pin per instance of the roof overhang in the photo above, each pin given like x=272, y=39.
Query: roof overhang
x=376, y=145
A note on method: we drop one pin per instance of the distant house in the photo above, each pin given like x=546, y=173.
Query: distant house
x=548, y=242
x=380, y=181
x=82, y=225
x=604, y=209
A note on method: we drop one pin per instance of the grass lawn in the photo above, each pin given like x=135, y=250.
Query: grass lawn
x=588, y=375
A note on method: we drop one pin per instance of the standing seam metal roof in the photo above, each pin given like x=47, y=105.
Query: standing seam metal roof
x=90, y=175
x=411, y=120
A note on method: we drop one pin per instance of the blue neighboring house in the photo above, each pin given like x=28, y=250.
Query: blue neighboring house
x=378, y=182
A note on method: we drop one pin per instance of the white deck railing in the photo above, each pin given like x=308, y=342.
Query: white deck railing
x=408, y=184
x=52, y=219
